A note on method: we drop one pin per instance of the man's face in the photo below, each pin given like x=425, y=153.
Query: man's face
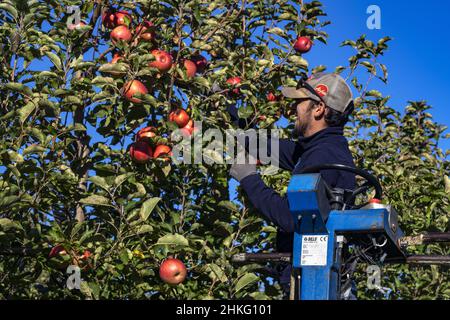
x=304, y=116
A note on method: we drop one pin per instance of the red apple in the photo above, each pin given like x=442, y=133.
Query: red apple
x=146, y=133
x=271, y=97
x=201, y=62
x=122, y=18
x=303, y=44
x=180, y=117
x=86, y=254
x=134, y=87
x=108, y=18
x=190, y=67
x=234, y=81
x=121, y=33
x=145, y=31
x=162, y=151
x=57, y=250
x=163, y=60
x=141, y=152
x=116, y=57
x=172, y=271
x=188, y=129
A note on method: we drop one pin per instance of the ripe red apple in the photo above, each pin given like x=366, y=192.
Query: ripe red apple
x=121, y=33
x=74, y=26
x=190, y=67
x=163, y=60
x=234, y=81
x=303, y=44
x=122, y=18
x=141, y=152
x=134, y=87
x=271, y=97
x=162, y=151
x=108, y=18
x=180, y=117
x=172, y=271
x=188, y=129
x=57, y=250
x=145, y=31
x=146, y=133
x=201, y=62
x=86, y=254
x=116, y=57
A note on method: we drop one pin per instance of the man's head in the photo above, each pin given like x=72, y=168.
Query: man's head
x=325, y=100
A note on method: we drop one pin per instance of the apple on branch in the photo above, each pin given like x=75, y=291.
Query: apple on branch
x=162, y=62
x=303, y=44
x=120, y=33
x=180, y=117
x=141, y=152
x=172, y=271
x=134, y=87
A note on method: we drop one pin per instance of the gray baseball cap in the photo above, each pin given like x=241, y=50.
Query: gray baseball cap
x=333, y=89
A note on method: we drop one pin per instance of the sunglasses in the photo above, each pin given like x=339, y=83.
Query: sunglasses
x=302, y=84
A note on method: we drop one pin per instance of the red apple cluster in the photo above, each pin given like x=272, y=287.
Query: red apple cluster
x=142, y=151
x=183, y=121
x=121, y=22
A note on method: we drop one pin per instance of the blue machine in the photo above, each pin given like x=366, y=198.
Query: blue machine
x=332, y=235
x=320, y=232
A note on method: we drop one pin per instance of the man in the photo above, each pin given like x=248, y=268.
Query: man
x=323, y=104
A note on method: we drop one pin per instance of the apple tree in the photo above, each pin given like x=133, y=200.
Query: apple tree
x=90, y=94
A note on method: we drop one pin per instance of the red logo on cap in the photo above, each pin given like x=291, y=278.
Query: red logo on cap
x=322, y=90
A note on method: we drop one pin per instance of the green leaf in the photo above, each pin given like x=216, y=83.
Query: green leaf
x=54, y=59
x=147, y=208
x=173, y=239
x=102, y=80
x=6, y=201
x=10, y=9
x=96, y=200
x=216, y=272
x=298, y=61
x=99, y=181
x=278, y=31
x=246, y=280
x=124, y=255
x=7, y=224
x=25, y=111
x=33, y=149
x=447, y=184
x=14, y=156
x=229, y=205
x=144, y=229
x=122, y=178
x=114, y=68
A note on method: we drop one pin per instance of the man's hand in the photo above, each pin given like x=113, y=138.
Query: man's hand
x=240, y=171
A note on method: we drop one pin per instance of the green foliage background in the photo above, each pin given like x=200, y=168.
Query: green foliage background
x=60, y=187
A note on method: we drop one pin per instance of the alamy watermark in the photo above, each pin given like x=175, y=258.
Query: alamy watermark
x=74, y=280
x=74, y=17
x=374, y=20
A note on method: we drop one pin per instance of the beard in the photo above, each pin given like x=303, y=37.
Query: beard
x=300, y=128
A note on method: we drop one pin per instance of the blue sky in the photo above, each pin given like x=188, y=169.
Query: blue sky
x=418, y=58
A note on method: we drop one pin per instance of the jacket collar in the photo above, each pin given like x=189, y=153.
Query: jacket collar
x=307, y=142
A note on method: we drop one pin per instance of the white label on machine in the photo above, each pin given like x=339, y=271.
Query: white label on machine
x=314, y=250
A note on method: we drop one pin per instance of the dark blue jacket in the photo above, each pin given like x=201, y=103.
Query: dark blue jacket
x=326, y=146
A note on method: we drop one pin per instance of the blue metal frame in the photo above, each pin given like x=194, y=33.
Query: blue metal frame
x=308, y=204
